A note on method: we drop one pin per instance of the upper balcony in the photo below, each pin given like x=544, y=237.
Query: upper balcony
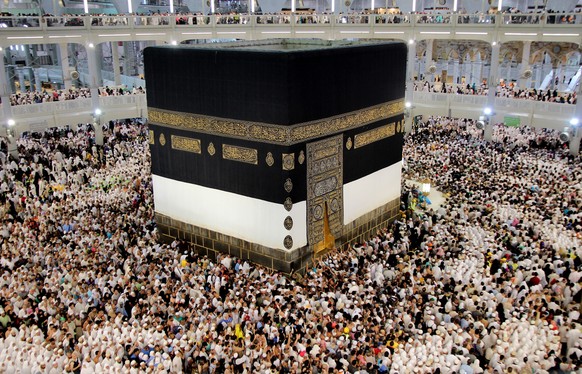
x=534, y=113
x=176, y=28
x=36, y=117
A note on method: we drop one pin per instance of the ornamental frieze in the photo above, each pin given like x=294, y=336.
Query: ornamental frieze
x=271, y=133
x=374, y=135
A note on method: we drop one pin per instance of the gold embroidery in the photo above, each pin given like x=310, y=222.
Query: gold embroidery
x=162, y=140
x=374, y=135
x=288, y=204
x=211, y=149
x=186, y=144
x=324, y=187
x=288, y=223
x=269, y=159
x=288, y=242
x=301, y=158
x=152, y=138
x=242, y=154
x=288, y=185
x=288, y=161
x=323, y=153
x=271, y=133
x=349, y=144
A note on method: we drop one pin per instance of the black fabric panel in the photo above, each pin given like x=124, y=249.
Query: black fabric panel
x=273, y=86
x=363, y=161
x=262, y=181
x=258, y=181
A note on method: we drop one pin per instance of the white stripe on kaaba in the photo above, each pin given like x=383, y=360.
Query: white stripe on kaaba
x=247, y=218
x=372, y=191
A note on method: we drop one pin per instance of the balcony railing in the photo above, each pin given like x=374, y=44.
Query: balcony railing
x=70, y=112
x=532, y=112
x=536, y=113
x=177, y=20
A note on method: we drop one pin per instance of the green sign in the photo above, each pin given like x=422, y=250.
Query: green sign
x=511, y=121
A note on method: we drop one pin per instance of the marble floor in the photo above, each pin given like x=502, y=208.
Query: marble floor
x=436, y=197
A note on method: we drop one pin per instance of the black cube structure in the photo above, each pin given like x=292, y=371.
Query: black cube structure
x=268, y=150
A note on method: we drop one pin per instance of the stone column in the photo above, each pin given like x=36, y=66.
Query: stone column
x=428, y=59
x=476, y=71
x=130, y=62
x=115, y=63
x=5, y=91
x=37, y=80
x=554, y=74
x=538, y=70
x=95, y=79
x=493, y=74
x=27, y=55
x=492, y=83
x=94, y=84
x=523, y=82
x=64, y=57
x=456, y=69
x=21, y=80
x=575, y=141
x=409, y=85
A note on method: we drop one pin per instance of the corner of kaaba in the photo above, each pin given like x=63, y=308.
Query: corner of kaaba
x=275, y=150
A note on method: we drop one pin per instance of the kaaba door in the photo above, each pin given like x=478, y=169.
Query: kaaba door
x=324, y=185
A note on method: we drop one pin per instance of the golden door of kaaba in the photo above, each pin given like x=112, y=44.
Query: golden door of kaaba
x=324, y=187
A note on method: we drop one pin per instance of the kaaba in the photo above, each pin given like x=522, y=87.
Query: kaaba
x=275, y=150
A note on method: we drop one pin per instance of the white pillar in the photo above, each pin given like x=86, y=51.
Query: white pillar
x=99, y=138
x=428, y=58
x=21, y=80
x=559, y=72
x=5, y=91
x=115, y=62
x=492, y=83
x=538, y=70
x=411, y=58
x=488, y=131
x=523, y=82
x=575, y=141
x=455, y=75
x=493, y=75
x=574, y=145
x=94, y=68
x=94, y=84
x=37, y=80
x=476, y=71
x=64, y=55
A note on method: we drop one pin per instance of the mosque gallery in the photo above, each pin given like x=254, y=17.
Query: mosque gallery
x=275, y=150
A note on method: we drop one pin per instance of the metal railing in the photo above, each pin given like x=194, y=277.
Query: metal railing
x=173, y=20
x=533, y=112
x=541, y=114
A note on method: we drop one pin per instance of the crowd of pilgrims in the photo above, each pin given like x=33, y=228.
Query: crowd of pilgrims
x=487, y=282
x=511, y=92
x=45, y=96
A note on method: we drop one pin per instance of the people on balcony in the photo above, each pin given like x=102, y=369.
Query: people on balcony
x=505, y=91
x=25, y=98
x=511, y=16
